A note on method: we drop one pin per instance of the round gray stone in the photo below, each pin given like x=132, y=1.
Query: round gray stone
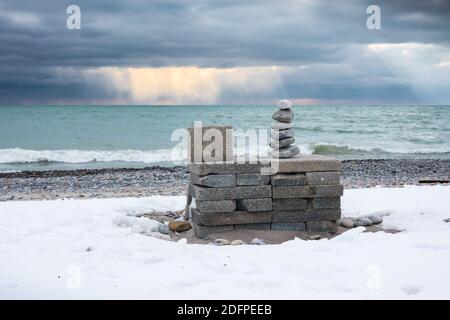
x=282, y=134
x=376, y=219
x=287, y=152
x=347, y=223
x=278, y=144
x=284, y=104
x=258, y=242
x=363, y=222
x=164, y=228
x=281, y=125
x=285, y=116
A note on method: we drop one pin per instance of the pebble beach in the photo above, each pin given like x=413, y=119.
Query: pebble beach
x=171, y=181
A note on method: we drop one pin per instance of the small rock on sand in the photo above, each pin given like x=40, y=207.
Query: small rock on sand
x=237, y=242
x=363, y=222
x=221, y=242
x=258, y=242
x=164, y=228
x=376, y=219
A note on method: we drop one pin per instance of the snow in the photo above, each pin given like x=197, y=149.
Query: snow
x=98, y=248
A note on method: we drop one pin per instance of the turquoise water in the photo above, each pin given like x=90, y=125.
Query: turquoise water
x=67, y=137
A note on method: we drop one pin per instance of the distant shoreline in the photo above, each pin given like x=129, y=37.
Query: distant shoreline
x=170, y=181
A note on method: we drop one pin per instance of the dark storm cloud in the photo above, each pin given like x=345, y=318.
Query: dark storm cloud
x=35, y=43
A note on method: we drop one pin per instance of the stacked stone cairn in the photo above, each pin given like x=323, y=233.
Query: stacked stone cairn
x=282, y=132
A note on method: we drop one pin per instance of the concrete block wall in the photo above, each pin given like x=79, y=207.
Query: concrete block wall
x=303, y=195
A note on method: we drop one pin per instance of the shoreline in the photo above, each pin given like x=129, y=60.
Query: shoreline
x=171, y=181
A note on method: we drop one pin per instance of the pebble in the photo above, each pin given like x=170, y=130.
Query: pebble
x=179, y=226
x=287, y=152
x=277, y=144
x=284, y=104
x=447, y=220
x=347, y=223
x=221, y=242
x=258, y=242
x=237, y=242
x=285, y=116
x=363, y=222
x=281, y=126
x=376, y=219
x=164, y=228
x=315, y=237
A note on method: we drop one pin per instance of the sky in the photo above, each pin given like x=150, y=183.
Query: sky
x=224, y=52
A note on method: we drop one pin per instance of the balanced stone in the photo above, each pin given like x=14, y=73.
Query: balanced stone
x=283, y=115
x=287, y=152
x=281, y=126
x=278, y=144
x=284, y=104
x=282, y=134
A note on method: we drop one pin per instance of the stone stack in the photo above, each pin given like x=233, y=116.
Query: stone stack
x=303, y=195
x=282, y=132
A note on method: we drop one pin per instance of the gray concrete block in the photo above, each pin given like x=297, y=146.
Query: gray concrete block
x=216, y=206
x=248, y=192
x=292, y=192
x=252, y=226
x=298, y=226
x=253, y=192
x=293, y=179
x=210, y=143
x=321, y=226
x=230, y=218
x=307, y=163
x=214, y=180
x=289, y=204
x=306, y=215
x=205, y=231
x=206, y=168
x=325, y=203
x=252, y=179
x=307, y=191
x=254, y=204
x=327, y=177
x=328, y=191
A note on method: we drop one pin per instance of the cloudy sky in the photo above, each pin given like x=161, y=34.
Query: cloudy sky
x=224, y=52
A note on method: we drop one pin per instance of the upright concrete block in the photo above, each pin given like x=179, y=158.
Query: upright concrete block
x=209, y=144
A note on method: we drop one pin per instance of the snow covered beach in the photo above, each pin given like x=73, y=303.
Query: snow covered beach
x=100, y=248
